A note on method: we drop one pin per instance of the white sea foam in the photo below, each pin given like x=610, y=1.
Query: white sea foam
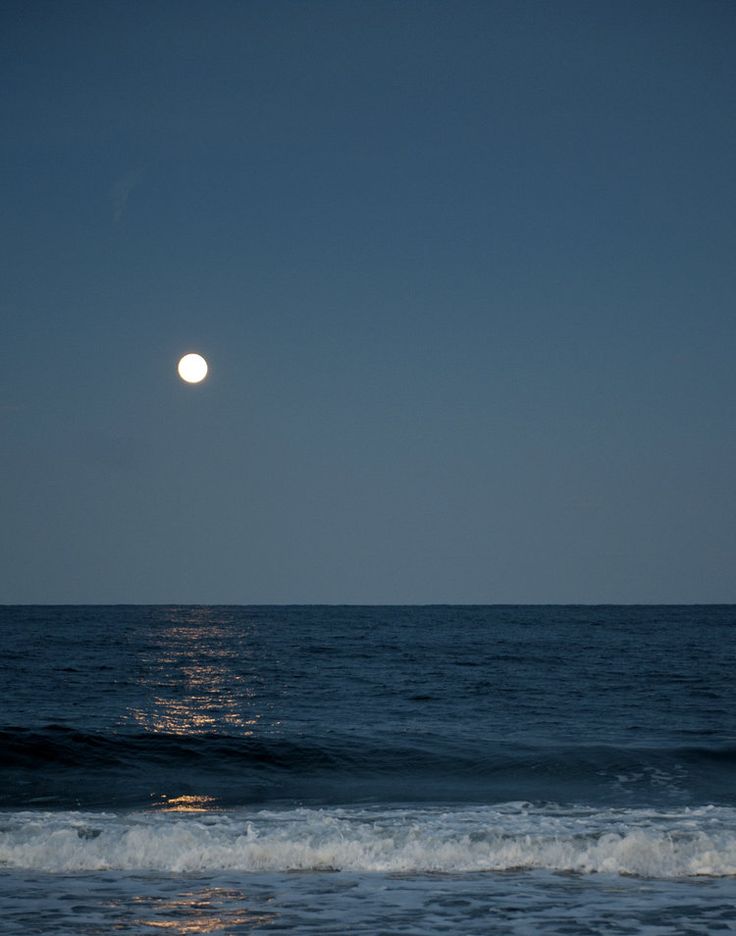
x=678, y=844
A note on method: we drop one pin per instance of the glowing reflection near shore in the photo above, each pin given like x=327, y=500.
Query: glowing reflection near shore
x=187, y=803
x=201, y=911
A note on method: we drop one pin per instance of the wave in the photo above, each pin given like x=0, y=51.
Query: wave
x=66, y=747
x=65, y=767
x=656, y=844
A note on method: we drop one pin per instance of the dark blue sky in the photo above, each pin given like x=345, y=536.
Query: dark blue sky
x=463, y=272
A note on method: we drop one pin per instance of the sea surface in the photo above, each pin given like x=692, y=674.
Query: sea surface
x=376, y=770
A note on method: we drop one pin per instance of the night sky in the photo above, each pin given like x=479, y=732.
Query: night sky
x=464, y=274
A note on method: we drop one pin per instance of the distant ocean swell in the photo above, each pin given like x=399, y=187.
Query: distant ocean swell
x=657, y=844
x=60, y=767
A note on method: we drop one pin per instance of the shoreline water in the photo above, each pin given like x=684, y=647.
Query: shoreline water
x=474, y=770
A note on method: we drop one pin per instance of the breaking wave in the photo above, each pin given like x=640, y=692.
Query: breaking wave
x=648, y=843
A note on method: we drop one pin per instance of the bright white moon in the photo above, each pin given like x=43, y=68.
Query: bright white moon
x=192, y=368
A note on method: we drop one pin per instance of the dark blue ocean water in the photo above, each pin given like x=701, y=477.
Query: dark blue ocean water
x=409, y=769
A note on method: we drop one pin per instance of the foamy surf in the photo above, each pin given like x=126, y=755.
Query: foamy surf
x=655, y=844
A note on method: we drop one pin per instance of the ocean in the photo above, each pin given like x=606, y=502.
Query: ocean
x=375, y=770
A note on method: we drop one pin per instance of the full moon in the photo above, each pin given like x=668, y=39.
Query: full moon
x=192, y=368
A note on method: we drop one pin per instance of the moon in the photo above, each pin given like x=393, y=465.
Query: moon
x=192, y=368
